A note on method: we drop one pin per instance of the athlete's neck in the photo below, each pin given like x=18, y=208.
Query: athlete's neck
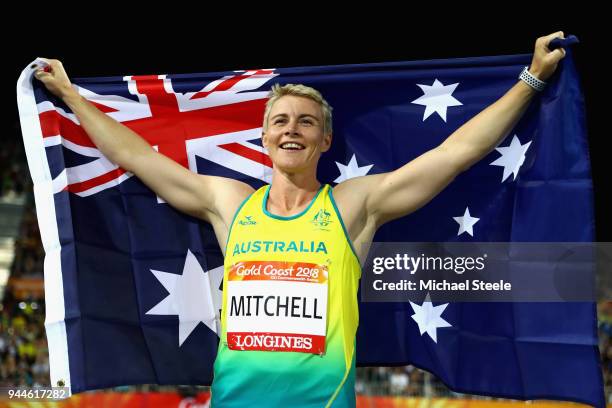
x=290, y=193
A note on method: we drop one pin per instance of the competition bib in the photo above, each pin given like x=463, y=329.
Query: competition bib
x=277, y=306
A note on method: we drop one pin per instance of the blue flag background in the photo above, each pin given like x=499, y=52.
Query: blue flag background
x=104, y=231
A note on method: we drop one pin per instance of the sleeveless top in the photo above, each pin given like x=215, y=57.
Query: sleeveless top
x=289, y=313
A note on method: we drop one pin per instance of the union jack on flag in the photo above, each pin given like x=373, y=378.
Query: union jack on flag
x=178, y=117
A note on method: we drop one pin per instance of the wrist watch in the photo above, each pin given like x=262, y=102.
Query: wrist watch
x=531, y=80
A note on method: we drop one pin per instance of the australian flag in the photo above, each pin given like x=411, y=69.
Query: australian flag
x=133, y=286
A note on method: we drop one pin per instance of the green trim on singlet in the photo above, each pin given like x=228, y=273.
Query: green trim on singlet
x=236, y=215
x=291, y=217
x=346, y=234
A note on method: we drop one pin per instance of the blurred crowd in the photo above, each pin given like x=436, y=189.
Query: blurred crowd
x=29, y=252
x=23, y=347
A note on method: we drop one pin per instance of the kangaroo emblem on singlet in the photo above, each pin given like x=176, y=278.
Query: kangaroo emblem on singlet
x=321, y=219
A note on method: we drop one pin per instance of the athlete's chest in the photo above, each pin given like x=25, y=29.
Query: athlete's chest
x=314, y=237
x=279, y=274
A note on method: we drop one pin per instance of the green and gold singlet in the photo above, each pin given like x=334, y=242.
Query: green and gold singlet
x=289, y=314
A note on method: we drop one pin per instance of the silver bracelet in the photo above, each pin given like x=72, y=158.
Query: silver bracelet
x=531, y=80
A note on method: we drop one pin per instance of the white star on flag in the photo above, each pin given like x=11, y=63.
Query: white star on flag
x=437, y=98
x=351, y=170
x=466, y=222
x=512, y=157
x=194, y=296
x=428, y=317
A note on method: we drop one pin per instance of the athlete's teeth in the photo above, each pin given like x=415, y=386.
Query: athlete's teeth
x=291, y=146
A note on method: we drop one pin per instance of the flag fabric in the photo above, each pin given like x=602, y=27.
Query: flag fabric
x=133, y=286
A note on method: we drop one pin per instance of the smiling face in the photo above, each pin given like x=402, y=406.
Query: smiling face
x=294, y=136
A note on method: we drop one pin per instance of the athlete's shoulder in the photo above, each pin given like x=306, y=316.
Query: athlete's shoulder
x=229, y=194
x=356, y=190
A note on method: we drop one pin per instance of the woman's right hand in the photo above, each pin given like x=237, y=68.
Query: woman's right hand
x=55, y=78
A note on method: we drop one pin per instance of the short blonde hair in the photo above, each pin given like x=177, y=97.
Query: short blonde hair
x=279, y=91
